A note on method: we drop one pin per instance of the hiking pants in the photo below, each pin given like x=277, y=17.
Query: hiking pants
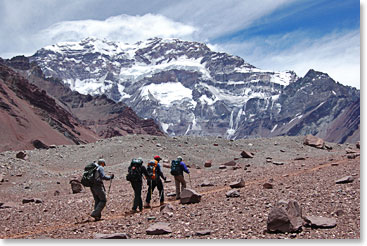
x=100, y=200
x=138, y=202
x=179, y=179
x=151, y=186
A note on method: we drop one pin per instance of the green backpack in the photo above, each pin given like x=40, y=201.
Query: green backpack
x=88, y=178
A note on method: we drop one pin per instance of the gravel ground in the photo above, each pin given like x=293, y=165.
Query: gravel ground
x=296, y=171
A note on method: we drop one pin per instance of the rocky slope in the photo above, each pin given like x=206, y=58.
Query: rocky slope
x=99, y=116
x=29, y=118
x=282, y=168
x=191, y=90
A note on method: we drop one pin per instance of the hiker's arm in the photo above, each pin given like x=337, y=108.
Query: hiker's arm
x=145, y=172
x=102, y=175
x=160, y=173
x=186, y=170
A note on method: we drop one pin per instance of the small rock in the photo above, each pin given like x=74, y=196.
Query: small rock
x=246, y=154
x=222, y=167
x=233, y=193
x=208, y=163
x=358, y=145
x=229, y=164
x=159, y=229
x=237, y=184
x=26, y=200
x=111, y=236
x=203, y=232
x=344, y=180
x=206, y=183
x=278, y=163
x=320, y=222
x=21, y=155
x=267, y=186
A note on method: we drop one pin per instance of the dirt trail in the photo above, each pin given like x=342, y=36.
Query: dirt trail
x=122, y=214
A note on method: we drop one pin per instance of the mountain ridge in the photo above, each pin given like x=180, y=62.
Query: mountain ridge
x=207, y=92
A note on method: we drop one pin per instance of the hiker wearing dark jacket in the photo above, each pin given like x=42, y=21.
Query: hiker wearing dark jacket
x=137, y=182
x=155, y=172
x=179, y=178
x=98, y=189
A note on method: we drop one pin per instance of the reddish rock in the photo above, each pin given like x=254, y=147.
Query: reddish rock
x=314, y=141
x=189, y=196
x=208, y=163
x=320, y=222
x=246, y=154
x=159, y=229
x=222, y=167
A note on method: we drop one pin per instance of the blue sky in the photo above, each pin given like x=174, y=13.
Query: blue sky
x=275, y=35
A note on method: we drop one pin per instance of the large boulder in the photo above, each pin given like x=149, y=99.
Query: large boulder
x=314, y=141
x=76, y=186
x=159, y=229
x=189, y=196
x=285, y=217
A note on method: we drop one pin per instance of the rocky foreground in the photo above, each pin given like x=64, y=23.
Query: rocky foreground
x=245, y=189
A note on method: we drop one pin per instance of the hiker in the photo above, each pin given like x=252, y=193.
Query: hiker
x=177, y=169
x=155, y=173
x=98, y=189
x=135, y=173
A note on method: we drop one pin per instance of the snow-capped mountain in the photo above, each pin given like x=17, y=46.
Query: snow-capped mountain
x=186, y=87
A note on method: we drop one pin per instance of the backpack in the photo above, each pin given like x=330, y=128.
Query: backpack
x=134, y=173
x=88, y=178
x=151, y=168
x=176, y=167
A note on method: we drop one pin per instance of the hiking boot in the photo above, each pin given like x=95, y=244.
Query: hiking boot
x=161, y=203
x=95, y=216
x=134, y=211
x=147, y=205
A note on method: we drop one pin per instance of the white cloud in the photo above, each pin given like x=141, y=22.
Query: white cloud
x=123, y=28
x=337, y=54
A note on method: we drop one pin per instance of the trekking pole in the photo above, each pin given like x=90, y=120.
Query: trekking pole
x=109, y=188
x=190, y=181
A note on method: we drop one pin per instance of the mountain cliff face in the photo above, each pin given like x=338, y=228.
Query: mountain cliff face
x=28, y=116
x=192, y=90
x=103, y=116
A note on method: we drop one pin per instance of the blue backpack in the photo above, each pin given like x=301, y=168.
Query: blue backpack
x=176, y=167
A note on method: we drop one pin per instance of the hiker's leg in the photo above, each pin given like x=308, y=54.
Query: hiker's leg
x=139, y=201
x=149, y=193
x=177, y=183
x=135, y=188
x=101, y=194
x=95, y=197
x=183, y=183
x=161, y=191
